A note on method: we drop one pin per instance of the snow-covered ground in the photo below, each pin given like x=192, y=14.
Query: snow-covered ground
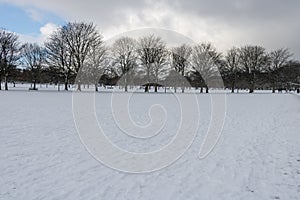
x=42, y=157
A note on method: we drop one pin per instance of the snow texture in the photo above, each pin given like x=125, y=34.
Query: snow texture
x=42, y=157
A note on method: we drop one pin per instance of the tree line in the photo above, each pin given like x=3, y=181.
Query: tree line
x=77, y=52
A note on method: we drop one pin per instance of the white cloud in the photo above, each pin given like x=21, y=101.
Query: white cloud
x=45, y=32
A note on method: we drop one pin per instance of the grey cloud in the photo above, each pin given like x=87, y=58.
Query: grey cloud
x=272, y=23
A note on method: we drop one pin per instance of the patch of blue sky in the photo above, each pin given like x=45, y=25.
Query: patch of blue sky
x=27, y=21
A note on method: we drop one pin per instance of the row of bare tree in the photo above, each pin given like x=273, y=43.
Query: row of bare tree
x=78, y=50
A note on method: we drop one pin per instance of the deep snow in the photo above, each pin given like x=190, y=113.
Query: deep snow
x=257, y=157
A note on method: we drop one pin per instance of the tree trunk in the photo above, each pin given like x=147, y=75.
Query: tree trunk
x=66, y=82
x=273, y=81
x=156, y=84
x=273, y=88
x=251, y=90
x=148, y=78
x=206, y=89
x=147, y=88
x=201, y=90
x=96, y=87
x=34, y=85
x=183, y=85
x=66, y=85
x=252, y=87
x=79, y=87
x=0, y=84
x=126, y=82
x=175, y=89
x=233, y=83
x=5, y=83
x=232, y=86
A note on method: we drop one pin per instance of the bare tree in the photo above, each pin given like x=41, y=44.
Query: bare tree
x=160, y=66
x=151, y=51
x=278, y=59
x=33, y=57
x=80, y=38
x=180, y=60
x=9, y=55
x=96, y=61
x=232, y=66
x=59, y=56
x=206, y=59
x=125, y=57
x=253, y=59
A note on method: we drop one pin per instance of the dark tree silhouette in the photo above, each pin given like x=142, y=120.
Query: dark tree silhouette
x=253, y=60
x=153, y=56
x=96, y=61
x=278, y=59
x=9, y=55
x=205, y=61
x=59, y=56
x=232, y=66
x=124, y=56
x=80, y=37
x=33, y=57
x=181, y=60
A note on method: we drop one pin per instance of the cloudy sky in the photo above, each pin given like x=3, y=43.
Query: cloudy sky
x=226, y=23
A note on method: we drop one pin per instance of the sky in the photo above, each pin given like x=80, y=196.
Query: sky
x=270, y=23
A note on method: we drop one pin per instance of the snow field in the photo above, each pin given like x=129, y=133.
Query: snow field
x=42, y=157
